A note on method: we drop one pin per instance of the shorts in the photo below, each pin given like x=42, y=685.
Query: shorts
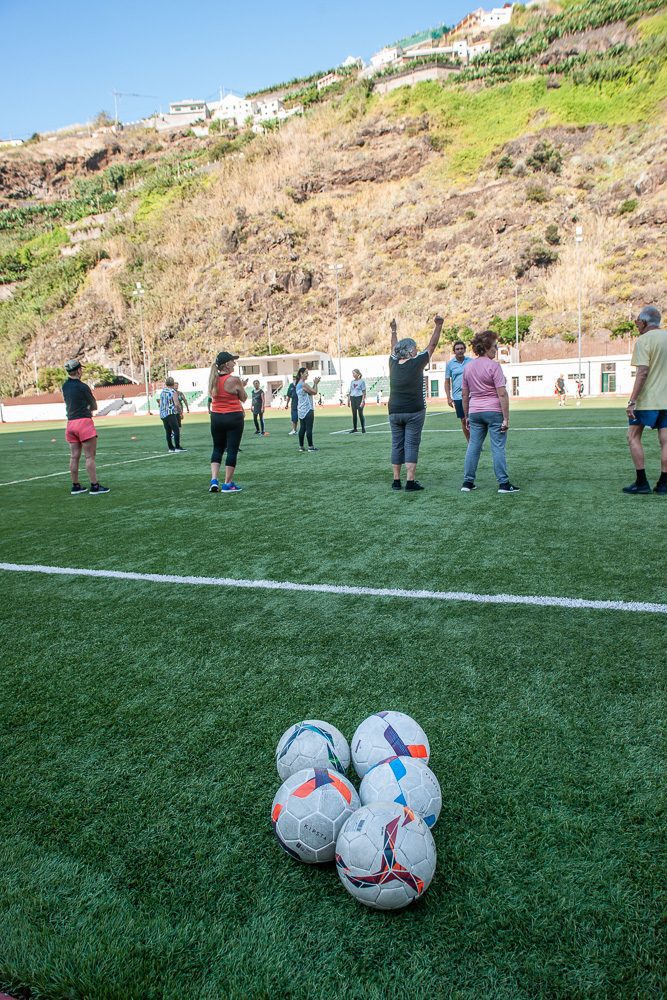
x=655, y=419
x=78, y=431
x=458, y=406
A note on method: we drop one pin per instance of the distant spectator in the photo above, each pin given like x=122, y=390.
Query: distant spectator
x=647, y=406
x=305, y=395
x=407, y=407
x=454, y=382
x=227, y=392
x=559, y=390
x=487, y=408
x=80, y=432
x=258, y=405
x=293, y=403
x=169, y=407
x=357, y=400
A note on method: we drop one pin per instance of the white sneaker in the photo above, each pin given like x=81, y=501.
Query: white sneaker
x=290, y=433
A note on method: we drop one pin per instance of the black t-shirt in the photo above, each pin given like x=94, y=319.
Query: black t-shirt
x=79, y=400
x=406, y=384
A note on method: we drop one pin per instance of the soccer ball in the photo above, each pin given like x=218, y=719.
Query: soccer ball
x=385, y=856
x=387, y=734
x=312, y=743
x=308, y=811
x=406, y=781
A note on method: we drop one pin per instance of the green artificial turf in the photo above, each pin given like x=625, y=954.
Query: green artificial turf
x=140, y=722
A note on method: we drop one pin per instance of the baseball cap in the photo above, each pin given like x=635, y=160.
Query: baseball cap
x=72, y=366
x=224, y=356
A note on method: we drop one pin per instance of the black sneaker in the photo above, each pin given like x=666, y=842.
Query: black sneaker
x=363, y=430
x=98, y=488
x=353, y=431
x=412, y=486
x=507, y=488
x=256, y=433
x=77, y=490
x=313, y=449
x=660, y=488
x=638, y=488
x=468, y=486
x=302, y=451
x=396, y=485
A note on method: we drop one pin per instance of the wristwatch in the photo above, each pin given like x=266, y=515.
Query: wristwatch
x=632, y=402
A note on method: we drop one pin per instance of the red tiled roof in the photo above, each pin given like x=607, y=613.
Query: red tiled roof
x=101, y=392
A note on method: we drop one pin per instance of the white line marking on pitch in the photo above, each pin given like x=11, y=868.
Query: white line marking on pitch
x=328, y=588
x=107, y=465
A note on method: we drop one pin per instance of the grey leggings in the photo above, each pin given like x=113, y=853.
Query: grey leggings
x=406, y=434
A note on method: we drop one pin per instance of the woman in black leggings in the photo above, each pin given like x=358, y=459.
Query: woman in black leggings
x=227, y=394
x=304, y=395
x=258, y=405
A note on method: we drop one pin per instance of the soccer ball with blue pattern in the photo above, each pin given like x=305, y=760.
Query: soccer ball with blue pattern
x=312, y=743
x=406, y=781
x=387, y=734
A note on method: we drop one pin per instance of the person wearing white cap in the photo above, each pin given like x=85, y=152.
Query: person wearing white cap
x=81, y=433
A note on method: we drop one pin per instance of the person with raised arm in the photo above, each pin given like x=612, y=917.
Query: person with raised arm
x=407, y=403
x=305, y=395
x=227, y=392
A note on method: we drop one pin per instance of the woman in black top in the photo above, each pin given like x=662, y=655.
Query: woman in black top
x=258, y=404
x=407, y=406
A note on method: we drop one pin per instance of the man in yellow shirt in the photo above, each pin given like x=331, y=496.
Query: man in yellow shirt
x=647, y=406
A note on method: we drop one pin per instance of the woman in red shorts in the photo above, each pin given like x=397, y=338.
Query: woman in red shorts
x=80, y=433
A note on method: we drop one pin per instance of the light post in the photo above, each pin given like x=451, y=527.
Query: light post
x=336, y=268
x=516, y=316
x=139, y=293
x=578, y=240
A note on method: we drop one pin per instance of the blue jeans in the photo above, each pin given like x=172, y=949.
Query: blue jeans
x=481, y=424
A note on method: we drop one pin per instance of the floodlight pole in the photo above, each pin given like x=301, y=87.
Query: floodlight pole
x=139, y=292
x=336, y=268
x=516, y=316
x=578, y=240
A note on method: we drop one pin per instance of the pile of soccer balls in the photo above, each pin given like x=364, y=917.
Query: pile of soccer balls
x=380, y=838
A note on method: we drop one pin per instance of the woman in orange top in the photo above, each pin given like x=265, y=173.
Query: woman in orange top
x=227, y=394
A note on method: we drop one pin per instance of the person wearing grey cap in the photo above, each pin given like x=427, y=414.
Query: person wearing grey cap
x=81, y=434
x=407, y=405
x=227, y=392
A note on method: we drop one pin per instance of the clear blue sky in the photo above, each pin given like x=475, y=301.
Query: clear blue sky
x=60, y=61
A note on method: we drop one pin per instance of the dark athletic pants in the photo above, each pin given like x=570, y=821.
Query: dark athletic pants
x=226, y=431
x=356, y=403
x=172, y=431
x=306, y=428
x=259, y=419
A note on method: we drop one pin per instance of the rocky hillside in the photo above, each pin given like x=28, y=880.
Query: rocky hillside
x=435, y=197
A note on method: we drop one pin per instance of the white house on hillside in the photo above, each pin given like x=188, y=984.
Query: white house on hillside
x=232, y=108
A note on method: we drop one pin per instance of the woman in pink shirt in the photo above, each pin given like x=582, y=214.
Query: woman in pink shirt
x=486, y=407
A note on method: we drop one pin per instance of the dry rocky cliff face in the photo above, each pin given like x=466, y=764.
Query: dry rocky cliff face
x=251, y=249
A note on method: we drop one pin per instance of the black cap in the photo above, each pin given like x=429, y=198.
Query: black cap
x=224, y=356
x=73, y=365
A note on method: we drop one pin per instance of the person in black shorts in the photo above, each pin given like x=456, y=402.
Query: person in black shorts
x=227, y=392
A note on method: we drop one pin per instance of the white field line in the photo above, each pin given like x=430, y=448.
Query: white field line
x=107, y=465
x=328, y=588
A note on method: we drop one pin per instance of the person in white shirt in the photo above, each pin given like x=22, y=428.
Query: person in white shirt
x=356, y=398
